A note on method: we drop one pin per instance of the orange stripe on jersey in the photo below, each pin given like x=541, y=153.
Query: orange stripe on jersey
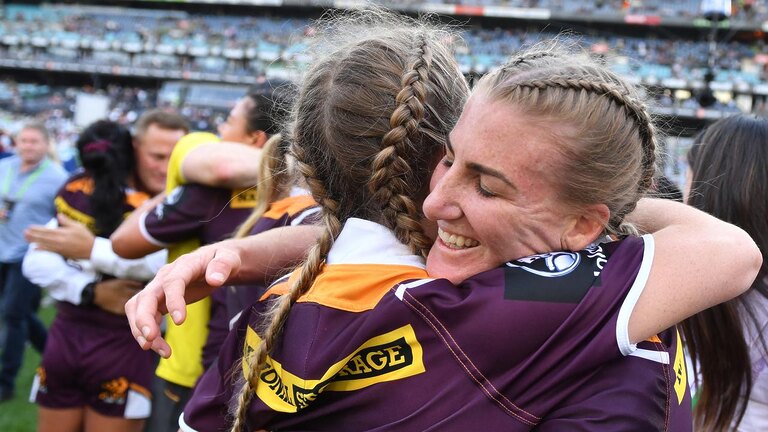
x=136, y=198
x=83, y=184
x=654, y=339
x=290, y=205
x=141, y=389
x=351, y=287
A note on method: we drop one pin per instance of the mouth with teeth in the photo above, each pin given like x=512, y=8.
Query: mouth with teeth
x=455, y=241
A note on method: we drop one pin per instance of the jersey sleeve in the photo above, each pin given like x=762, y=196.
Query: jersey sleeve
x=181, y=150
x=181, y=215
x=207, y=409
x=50, y=271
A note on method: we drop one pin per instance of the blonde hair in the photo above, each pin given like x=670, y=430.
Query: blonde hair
x=609, y=140
x=371, y=116
x=274, y=180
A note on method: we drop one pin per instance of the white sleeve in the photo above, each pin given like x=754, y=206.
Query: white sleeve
x=105, y=260
x=622, y=322
x=51, y=271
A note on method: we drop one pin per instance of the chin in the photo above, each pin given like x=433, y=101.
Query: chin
x=439, y=269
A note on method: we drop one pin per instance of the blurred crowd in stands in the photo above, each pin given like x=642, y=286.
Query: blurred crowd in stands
x=247, y=46
x=166, y=41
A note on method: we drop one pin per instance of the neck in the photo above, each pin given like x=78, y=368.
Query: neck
x=28, y=165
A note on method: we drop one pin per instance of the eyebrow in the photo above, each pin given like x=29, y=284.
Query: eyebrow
x=482, y=169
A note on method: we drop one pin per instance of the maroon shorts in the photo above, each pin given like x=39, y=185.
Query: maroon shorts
x=91, y=359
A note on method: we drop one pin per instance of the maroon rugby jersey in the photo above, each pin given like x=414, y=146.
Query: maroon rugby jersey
x=73, y=201
x=540, y=343
x=198, y=213
x=297, y=209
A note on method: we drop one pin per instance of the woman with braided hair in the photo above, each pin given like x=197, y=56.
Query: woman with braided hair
x=359, y=338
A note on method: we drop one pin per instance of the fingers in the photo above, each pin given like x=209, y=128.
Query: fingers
x=161, y=347
x=142, y=312
x=38, y=234
x=224, y=263
x=64, y=220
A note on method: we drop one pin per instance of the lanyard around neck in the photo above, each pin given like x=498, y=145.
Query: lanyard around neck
x=27, y=182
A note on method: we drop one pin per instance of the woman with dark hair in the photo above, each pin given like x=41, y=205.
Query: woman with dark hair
x=729, y=180
x=95, y=380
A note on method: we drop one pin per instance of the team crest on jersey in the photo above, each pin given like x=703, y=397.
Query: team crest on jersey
x=172, y=198
x=553, y=264
x=558, y=277
x=391, y=356
x=114, y=391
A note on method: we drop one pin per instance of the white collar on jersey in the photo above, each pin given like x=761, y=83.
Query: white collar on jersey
x=365, y=242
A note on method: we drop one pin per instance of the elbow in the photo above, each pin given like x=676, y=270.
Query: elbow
x=752, y=261
x=222, y=174
x=121, y=246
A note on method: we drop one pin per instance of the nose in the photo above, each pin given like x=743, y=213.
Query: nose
x=442, y=202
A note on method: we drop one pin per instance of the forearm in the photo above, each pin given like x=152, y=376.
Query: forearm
x=224, y=164
x=105, y=260
x=655, y=214
x=267, y=255
x=128, y=240
x=51, y=272
x=698, y=261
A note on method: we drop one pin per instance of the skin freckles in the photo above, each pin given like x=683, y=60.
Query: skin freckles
x=498, y=176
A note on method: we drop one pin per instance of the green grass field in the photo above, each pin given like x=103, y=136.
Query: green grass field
x=19, y=415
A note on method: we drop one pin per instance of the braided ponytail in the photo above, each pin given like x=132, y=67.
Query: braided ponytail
x=373, y=110
x=309, y=270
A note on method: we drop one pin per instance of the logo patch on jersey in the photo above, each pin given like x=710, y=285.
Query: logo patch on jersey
x=558, y=277
x=243, y=198
x=681, y=374
x=114, y=391
x=554, y=264
x=391, y=356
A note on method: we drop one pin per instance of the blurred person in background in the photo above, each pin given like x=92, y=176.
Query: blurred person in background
x=156, y=133
x=210, y=191
x=729, y=180
x=94, y=381
x=28, y=183
x=6, y=144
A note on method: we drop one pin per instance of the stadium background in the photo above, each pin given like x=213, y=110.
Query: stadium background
x=68, y=63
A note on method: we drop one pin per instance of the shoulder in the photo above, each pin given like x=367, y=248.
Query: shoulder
x=181, y=150
x=9, y=161
x=192, y=141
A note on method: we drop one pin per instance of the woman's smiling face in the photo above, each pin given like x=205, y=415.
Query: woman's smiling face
x=494, y=194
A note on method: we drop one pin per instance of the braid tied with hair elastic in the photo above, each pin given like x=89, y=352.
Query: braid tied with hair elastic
x=278, y=312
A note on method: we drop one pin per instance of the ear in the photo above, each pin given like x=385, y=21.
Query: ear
x=586, y=226
x=258, y=138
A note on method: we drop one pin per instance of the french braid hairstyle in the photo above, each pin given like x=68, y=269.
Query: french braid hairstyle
x=608, y=138
x=368, y=127
x=107, y=155
x=274, y=181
